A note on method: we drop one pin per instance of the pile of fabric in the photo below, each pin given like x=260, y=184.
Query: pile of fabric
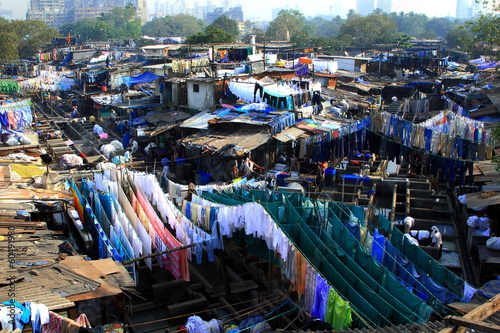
x=15, y=138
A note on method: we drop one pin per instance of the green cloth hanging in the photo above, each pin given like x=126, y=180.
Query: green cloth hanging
x=9, y=87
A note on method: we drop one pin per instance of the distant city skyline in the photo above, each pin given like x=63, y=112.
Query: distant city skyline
x=262, y=9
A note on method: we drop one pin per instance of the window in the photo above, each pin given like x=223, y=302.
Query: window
x=196, y=88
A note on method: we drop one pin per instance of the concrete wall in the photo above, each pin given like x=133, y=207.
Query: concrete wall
x=204, y=98
x=346, y=64
x=157, y=52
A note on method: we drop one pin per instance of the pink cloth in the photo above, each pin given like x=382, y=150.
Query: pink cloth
x=176, y=262
x=103, y=135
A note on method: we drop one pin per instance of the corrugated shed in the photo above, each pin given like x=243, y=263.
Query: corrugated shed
x=244, y=139
x=27, y=291
x=198, y=121
x=291, y=133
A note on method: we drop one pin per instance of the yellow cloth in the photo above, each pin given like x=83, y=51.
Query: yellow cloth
x=27, y=171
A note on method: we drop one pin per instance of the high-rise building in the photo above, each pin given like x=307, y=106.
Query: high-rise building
x=198, y=11
x=467, y=9
x=235, y=13
x=385, y=5
x=365, y=7
x=5, y=13
x=50, y=11
x=57, y=12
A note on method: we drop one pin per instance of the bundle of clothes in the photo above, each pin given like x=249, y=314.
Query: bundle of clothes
x=15, y=315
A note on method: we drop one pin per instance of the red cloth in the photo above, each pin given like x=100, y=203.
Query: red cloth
x=176, y=262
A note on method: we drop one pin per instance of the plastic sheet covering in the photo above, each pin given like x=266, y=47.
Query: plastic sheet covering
x=145, y=77
x=27, y=171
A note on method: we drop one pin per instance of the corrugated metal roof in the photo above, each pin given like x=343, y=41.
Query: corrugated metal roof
x=289, y=134
x=27, y=291
x=244, y=139
x=167, y=118
x=198, y=121
x=494, y=98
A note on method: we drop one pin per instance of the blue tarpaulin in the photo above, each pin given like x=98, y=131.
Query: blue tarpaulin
x=143, y=78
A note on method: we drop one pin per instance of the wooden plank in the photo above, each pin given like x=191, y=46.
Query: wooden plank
x=5, y=231
x=463, y=308
x=84, y=267
x=475, y=200
x=105, y=266
x=485, y=310
x=474, y=324
x=480, y=313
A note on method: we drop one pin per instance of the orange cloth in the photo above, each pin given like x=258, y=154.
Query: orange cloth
x=300, y=274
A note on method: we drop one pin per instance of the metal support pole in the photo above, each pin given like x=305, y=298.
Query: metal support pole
x=152, y=255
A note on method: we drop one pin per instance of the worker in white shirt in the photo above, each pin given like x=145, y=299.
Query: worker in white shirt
x=437, y=239
x=409, y=222
x=133, y=145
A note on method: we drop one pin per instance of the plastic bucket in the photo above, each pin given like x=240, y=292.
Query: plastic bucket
x=280, y=179
x=330, y=174
x=205, y=178
x=197, y=176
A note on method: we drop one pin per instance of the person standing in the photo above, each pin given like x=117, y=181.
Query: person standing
x=133, y=145
x=74, y=112
x=437, y=240
x=409, y=222
x=126, y=139
x=166, y=166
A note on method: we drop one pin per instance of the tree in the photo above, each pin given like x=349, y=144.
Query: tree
x=211, y=35
x=486, y=34
x=458, y=38
x=23, y=38
x=92, y=29
x=144, y=42
x=122, y=21
x=482, y=35
x=225, y=23
x=289, y=25
x=411, y=23
x=67, y=28
x=260, y=36
x=32, y=35
x=119, y=23
x=402, y=40
x=351, y=14
x=173, y=26
x=363, y=31
x=428, y=34
x=440, y=25
x=326, y=28
x=8, y=40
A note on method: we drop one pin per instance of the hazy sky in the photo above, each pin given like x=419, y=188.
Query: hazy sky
x=262, y=8
x=255, y=8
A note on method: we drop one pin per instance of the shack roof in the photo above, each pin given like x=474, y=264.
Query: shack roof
x=228, y=143
x=198, y=121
